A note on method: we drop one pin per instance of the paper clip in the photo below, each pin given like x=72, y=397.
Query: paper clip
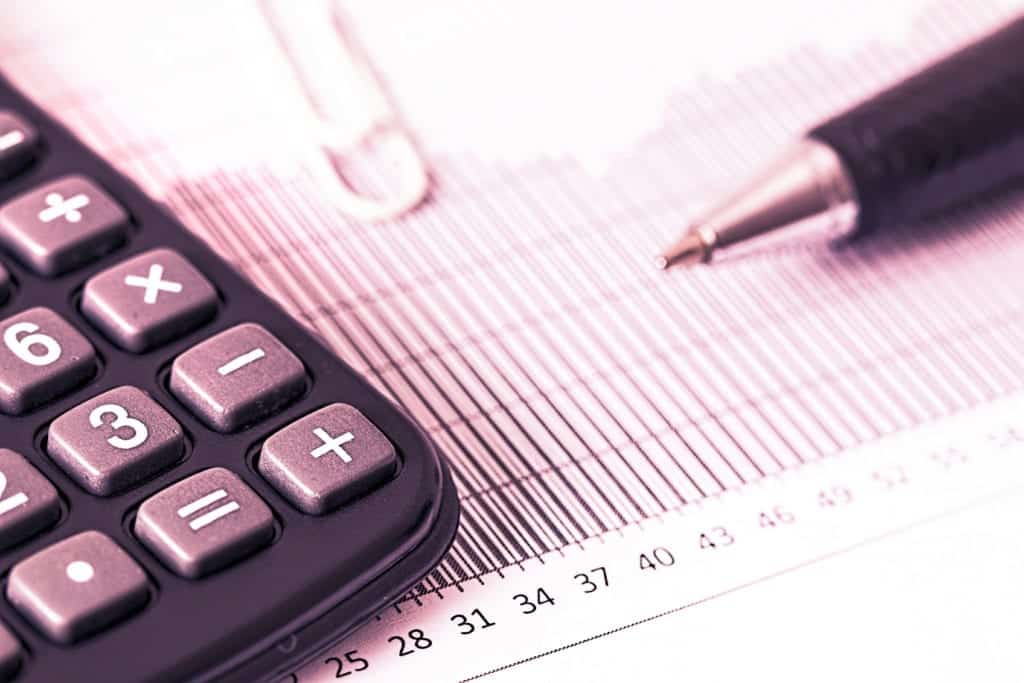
x=351, y=105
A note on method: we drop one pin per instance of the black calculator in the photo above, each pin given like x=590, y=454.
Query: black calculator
x=192, y=487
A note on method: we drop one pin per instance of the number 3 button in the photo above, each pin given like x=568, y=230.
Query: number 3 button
x=115, y=440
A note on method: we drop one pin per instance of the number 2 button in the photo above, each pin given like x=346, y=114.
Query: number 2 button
x=41, y=358
x=115, y=440
x=28, y=501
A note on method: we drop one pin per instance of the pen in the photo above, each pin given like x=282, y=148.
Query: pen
x=949, y=133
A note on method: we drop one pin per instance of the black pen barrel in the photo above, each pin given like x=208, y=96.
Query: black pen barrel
x=949, y=133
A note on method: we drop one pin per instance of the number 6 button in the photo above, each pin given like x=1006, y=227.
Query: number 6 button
x=41, y=357
x=115, y=440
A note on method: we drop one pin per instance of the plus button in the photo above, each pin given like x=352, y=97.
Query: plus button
x=332, y=444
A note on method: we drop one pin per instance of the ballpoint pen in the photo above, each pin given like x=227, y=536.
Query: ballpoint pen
x=935, y=140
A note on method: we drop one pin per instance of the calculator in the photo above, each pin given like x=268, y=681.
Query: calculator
x=192, y=487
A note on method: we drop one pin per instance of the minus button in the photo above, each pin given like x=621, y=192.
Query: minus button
x=240, y=362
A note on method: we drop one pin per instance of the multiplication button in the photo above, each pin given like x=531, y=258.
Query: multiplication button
x=77, y=586
x=327, y=458
x=148, y=300
x=61, y=225
x=204, y=523
x=237, y=377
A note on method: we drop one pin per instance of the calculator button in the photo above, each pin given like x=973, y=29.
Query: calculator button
x=61, y=225
x=19, y=142
x=204, y=523
x=237, y=377
x=28, y=501
x=41, y=358
x=149, y=299
x=115, y=440
x=327, y=458
x=77, y=586
x=10, y=653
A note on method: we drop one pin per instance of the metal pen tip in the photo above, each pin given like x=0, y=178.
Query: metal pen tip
x=689, y=250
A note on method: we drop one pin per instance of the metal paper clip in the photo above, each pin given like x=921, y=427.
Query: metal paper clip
x=351, y=105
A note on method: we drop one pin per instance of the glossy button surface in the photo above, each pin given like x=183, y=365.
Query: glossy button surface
x=41, y=358
x=77, y=586
x=115, y=440
x=327, y=458
x=237, y=377
x=149, y=300
x=61, y=225
x=205, y=522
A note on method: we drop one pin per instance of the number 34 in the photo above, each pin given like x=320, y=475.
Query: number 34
x=121, y=421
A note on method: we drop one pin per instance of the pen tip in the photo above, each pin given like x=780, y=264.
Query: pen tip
x=689, y=250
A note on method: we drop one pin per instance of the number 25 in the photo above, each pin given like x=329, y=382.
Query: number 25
x=121, y=421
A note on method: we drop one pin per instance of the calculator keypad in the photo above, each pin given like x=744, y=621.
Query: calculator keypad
x=237, y=377
x=41, y=357
x=204, y=523
x=62, y=224
x=327, y=458
x=123, y=444
x=149, y=299
x=77, y=586
x=10, y=653
x=28, y=501
x=19, y=141
x=115, y=440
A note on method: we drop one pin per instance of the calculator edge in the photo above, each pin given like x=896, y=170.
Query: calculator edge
x=438, y=528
